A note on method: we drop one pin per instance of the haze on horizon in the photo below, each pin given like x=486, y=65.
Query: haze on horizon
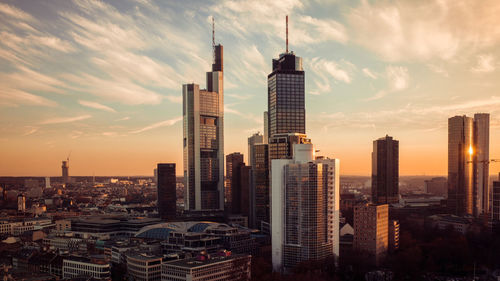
x=104, y=79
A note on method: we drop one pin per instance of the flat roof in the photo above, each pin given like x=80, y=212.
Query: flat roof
x=194, y=262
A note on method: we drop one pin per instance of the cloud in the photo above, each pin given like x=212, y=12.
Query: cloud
x=485, y=63
x=60, y=120
x=123, y=119
x=228, y=109
x=14, y=12
x=368, y=73
x=31, y=130
x=165, y=123
x=96, y=105
x=14, y=97
x=397, y=77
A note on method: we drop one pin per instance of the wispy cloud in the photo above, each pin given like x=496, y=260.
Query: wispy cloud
x=14, y=97
x=96, y=105
x=485, y=63
x=165, y=123
x=397, y=77
x=60, y=120
x=123, y=119
x=30, y=130
x=368, y=73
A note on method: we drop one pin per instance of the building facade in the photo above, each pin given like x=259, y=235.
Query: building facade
x=468, y=162
x=495, y=206
x=233, y=163
x=371, y=230
x=260, y=186
x=144, y=267
x=75, y=266
x=252, y=141
x=203, y=140
x=385, y=171
x=65, y=172
x=166, y=186
x=304, y=223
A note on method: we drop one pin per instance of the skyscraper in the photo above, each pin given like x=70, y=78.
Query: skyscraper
x=233, y=163
x=481, y=163
x=166, y=191
x=260, y=186
x=65, y=172
x=203, y=140
x=304, y=194
x=252, y=141
x=371, y=230
x=495, y=200
x=266, y=127
x=468, y=161
x=385, y=171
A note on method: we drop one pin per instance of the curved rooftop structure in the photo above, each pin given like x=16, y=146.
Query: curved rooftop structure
x=162, y=230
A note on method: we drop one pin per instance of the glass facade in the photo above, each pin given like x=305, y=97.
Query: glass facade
x=385, y=171
x=166, y=191
x=261, y=184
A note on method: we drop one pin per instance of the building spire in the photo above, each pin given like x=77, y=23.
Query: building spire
x=213, y=39
x=287, y=34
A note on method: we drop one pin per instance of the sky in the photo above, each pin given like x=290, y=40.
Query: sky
x=101, y=82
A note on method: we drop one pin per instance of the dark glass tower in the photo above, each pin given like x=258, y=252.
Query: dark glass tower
x=166, y=191
x=286, y=96
x=385, y=171
x=233, y=163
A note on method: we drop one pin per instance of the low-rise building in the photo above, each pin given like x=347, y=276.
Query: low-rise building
x=75, y=266
x=144, y=267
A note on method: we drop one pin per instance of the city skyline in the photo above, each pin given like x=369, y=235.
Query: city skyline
x=114, y=98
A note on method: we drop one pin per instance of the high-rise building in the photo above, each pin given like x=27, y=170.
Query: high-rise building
x=260, y=186
x=47, y=182
x=286, y=96
x=495, y=200
x=393, y=235
x=468, y=165
x=266, y=127
x=371, y=227
x=167, y=207
x=233, y=163
x=481, y=163
x=385, y=171
x=203, y=140
x=256, y=138
x=281, y=145
x=65, y=172
x=242, y=198
x=21, y=203
x=304, y=215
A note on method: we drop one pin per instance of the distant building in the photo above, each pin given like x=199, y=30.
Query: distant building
x=65, y=172
x=437, y=186
x=496, y=200
x=252, y=141
x=203, y=140
x=74, y=266
x=260, y=187
x=223, y=266
x=47, y=182
x=468, y=162
x=393, y=235
x=167, y=197
x=266, y=127
x=446, y=221
x=385, y=171
x=233, y=163
x=305, y=217
x=21, y=203
x=371, y=227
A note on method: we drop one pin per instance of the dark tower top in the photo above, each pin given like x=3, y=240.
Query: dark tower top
x=218, y=58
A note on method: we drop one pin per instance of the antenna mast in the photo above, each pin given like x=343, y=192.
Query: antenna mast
x=287, y=34
x=213, y=39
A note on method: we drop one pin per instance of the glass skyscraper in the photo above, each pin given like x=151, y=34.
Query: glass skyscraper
x=203, y=140
x=166, y=185
x=385, y=171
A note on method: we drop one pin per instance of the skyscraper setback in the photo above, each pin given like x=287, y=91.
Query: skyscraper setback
x=203, y=140
x=385, y=171
x=468, y=161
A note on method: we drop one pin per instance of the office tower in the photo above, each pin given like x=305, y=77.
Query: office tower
x=242, y=199
x=266, y=127
x=65, y=172
x=203, y=140
x=286, y=106
x=481, y=160
x=260, y=186
x=47, y=182
x=281, y=145
x=437, y=186
x=233, y=163
x=304, y=193
x=167, y=207
x=385, y=171
x=256, y=138
x=371, y=227
x=468, y=165
x=155, y=175
x=495, y=200
x=393, y=235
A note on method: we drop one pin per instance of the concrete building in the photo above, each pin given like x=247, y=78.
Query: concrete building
x=144, y=267
x=385, y=171
x=167, y=198
x=371, y=227
x=256, y=138
x=222, y=266
x=304, y=208
x=75, y=266
x=203, y=140
x=468, y=161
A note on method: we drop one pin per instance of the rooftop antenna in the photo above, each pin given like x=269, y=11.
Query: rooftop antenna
x=213, y=39
x=287, y=34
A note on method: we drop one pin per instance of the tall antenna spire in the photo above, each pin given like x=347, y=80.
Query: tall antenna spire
x=287, y=33
x=213, y=39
